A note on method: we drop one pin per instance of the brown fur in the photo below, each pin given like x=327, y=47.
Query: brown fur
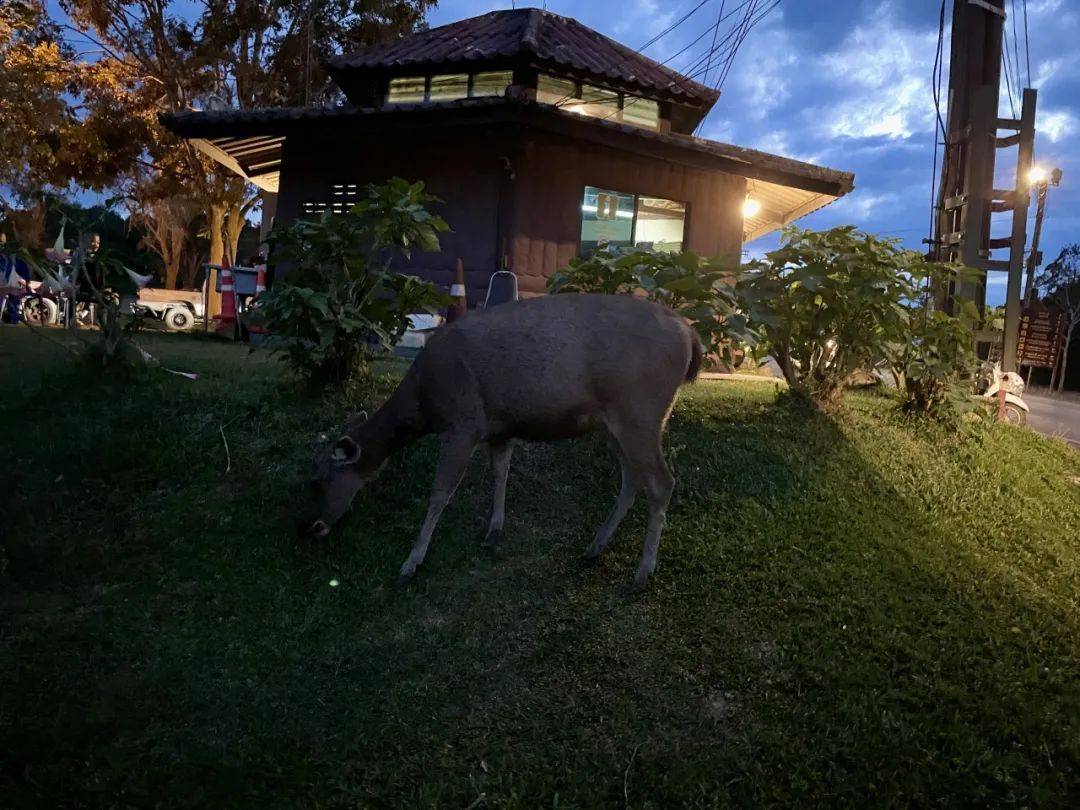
x=542, y=369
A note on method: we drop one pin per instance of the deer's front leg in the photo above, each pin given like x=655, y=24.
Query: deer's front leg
x=453, y=459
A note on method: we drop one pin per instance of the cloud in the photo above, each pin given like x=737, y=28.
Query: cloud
x=763, y=69
x=1055, y=124
x=883, y=75
x=861, y=205
x=643, y=19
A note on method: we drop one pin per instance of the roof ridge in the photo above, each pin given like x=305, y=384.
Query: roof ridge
x=532, y=30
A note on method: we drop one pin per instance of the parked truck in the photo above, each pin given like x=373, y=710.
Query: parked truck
x=177, y=309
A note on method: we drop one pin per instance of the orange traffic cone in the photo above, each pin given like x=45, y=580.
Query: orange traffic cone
x=226, y=326
x=457, y=292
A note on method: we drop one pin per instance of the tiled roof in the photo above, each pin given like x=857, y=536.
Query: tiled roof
x=530, y=35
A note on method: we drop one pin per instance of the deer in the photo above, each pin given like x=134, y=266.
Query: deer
x=540, y=369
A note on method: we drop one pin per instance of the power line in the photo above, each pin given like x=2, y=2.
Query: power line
x=935, y=85
x=680, y=75
x=1027, y=45
x=1008, y=80
x=712, y=47
x=1016, y=49
x=653, y=41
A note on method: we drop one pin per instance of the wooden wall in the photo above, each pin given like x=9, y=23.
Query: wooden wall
x=528, y=185
x=551, y=175
x=466, y=173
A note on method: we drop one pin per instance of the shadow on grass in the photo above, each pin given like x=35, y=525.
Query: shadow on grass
x=827, y=624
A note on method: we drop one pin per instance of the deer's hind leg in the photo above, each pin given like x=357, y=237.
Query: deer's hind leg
x=641, y=446
x=500, y=464
x=625, y=500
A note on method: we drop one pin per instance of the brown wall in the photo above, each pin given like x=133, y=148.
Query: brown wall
x=551, y=175
x=528, y=185
x=464, y=172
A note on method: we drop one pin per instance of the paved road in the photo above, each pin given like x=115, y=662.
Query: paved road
x=1055, y=417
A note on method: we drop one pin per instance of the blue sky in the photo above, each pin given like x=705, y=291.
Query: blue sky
x=846, y=84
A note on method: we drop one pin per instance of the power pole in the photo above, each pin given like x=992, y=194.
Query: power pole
x=968, y=197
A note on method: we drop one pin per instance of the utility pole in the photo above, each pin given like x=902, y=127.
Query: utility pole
x=968, y=197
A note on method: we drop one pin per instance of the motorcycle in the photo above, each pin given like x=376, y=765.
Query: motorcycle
x=992, y=380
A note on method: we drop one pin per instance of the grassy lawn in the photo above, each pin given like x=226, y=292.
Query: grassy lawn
x=846, y=612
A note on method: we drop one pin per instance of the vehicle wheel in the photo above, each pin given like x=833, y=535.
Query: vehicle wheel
x=179, y=319
x=1015, y=415
x=40, y=311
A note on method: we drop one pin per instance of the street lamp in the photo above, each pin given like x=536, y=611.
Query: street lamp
x=1040, y=179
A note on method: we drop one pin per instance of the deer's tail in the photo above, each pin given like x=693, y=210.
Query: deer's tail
x=696, y=356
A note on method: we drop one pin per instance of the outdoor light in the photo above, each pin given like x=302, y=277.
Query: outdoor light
x=750, y=207
x=1037, y=175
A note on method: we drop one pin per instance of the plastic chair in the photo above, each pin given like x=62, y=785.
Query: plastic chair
x=502, y=288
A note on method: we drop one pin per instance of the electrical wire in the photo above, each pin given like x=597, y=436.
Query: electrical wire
x=680, y=75
x=1016, y=48
x=653, y=41
x=1027, y=45
x=712, y=47
x=935, y=86
x=1008, y=80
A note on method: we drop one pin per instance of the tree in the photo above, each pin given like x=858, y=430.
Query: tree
x=1059, y=284
x=239, y=52
x=169, y=226
x=36, y=76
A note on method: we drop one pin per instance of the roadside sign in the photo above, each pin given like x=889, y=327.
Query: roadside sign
x=1042, y=334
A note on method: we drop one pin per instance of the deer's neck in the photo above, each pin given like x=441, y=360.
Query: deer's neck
x=398, y=423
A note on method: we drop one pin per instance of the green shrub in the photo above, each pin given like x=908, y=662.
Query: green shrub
x=935, y=362
x=829, y=304
x=701, y=290
x=340, y=301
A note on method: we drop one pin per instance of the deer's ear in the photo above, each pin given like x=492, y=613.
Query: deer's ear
x=346, y=451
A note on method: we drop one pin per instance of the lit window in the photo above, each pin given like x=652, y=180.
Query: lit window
x=641, y=112
x=617, y=219
x=553, y=90
x=493, y=83
x=450, y=87
x=597, y=102
x=659, y=224
x=408, y=90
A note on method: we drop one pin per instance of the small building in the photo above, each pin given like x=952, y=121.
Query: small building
x=543, y=138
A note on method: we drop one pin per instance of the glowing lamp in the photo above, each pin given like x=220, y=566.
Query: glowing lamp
x=750, y=207
x=1037, y=175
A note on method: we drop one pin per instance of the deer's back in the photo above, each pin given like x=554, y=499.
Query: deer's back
x=556, y=365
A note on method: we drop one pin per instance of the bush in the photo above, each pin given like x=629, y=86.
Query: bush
x=701, y=290
x=936, y=360
x=341, y=301
x=829, y=303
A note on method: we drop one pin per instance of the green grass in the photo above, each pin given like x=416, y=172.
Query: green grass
x=855, y=611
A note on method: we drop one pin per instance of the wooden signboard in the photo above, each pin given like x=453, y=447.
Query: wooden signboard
x=1042, y=334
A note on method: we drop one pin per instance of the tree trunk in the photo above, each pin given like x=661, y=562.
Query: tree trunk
x=215, y=215
x=234, y=226
x=1065, y=356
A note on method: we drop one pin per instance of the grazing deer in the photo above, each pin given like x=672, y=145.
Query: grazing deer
x=541, y=369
